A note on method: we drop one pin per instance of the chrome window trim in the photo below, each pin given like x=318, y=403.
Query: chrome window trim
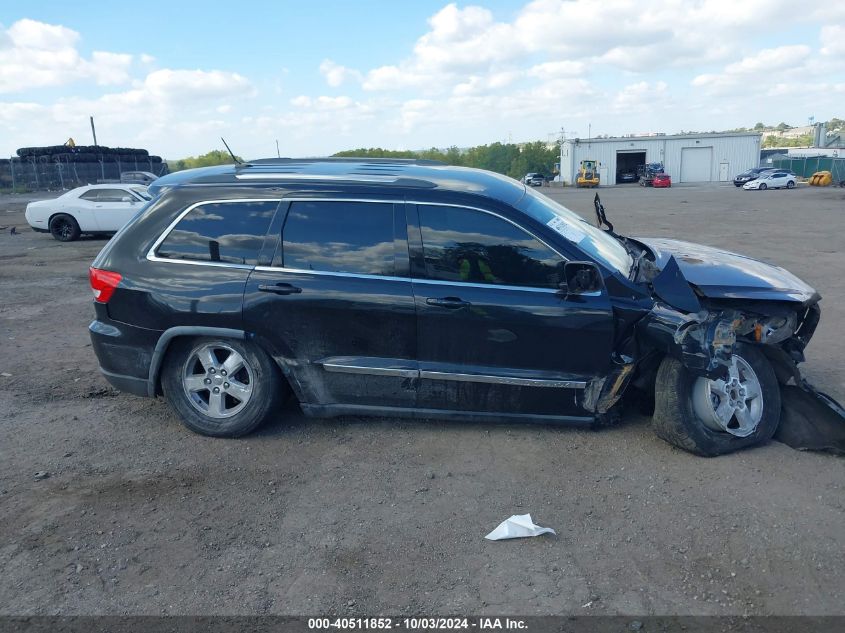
x=504, y=380
x=493, y=213
x=151, y=253
x=472, y=284
x=413, y=279
x=302, y=271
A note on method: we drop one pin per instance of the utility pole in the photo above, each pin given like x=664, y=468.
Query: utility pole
x=278, y=154
x=93, y=131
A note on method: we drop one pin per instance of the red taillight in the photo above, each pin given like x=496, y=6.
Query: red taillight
x=103, y=283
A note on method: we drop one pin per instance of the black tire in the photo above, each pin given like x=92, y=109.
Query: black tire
x=675, y=421
x=64, y=228
x=268, y=388
x=790, y=184
x=763, y=186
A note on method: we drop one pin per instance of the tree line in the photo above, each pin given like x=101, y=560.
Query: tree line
x=510, y=159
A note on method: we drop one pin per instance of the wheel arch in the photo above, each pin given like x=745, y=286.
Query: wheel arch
x=193, y=331
x=181, y=331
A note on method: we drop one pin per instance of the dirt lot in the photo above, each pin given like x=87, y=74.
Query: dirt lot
x=357, y=516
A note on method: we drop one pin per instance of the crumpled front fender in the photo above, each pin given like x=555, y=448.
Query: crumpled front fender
x=703, y=342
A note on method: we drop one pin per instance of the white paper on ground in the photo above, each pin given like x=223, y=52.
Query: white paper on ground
x=518, y=526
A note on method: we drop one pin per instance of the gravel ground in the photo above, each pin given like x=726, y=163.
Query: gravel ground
x=136, y=515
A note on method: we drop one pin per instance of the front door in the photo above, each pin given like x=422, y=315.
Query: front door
x=336, y=304
x=495, y=335
x=113, y=208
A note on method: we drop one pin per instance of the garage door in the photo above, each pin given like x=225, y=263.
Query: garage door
x=696, y=164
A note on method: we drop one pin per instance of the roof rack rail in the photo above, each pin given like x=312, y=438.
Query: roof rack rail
x=342, y=159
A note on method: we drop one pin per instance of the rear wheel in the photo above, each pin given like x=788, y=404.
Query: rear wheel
x=221, y=387
x=763, y=187
x=714, y=417
x=64, y=228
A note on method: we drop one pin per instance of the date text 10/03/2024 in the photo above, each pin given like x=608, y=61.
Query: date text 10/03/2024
x=417, y=623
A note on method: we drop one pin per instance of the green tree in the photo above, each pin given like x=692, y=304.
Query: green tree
x=782, y=127
x=759, y=127
x=214, y=157
x=805, y=140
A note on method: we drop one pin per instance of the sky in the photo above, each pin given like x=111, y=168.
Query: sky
x=320, y=77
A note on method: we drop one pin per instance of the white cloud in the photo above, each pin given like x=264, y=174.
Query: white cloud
x=833, y=40
x=196, y=84
x=336, y=75
x=562, y=68
x=36, y=55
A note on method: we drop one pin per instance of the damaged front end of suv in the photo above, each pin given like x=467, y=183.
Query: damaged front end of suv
x=719, y=349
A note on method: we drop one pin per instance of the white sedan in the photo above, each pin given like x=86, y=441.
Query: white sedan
x=773, y=180
x=89, y=209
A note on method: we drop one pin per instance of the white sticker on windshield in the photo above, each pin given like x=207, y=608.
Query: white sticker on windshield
x=570, y=232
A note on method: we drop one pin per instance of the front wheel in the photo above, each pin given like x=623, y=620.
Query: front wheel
x=221, y=387
x=790, y=184
x=714, y=417
x=64, y=228
x=763, y=187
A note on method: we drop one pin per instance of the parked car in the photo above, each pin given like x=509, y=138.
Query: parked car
x=137, y=177
x=402, y=288
x=749, y=175
x=772, y=180
x=626, y=177
x=534, y=179
x=647, y=172
x=661, y=181
x=89, y=209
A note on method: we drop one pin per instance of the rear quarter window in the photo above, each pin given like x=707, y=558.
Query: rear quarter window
x=221, y=232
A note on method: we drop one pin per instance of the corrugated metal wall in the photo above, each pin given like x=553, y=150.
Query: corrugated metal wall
x=736, y=153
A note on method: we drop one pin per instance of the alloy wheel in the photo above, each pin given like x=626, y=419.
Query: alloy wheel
x=217, y=380
x=734, y=404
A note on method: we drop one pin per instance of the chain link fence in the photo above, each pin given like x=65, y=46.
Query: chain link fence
x=806, y=166
x=61, y=167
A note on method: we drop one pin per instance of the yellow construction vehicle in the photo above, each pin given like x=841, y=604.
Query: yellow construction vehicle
x=588, y=174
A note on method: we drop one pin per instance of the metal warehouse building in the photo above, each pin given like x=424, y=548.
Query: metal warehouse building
x=685, y=157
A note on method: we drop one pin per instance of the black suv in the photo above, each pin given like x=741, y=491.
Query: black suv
x=750, y=174
x=409, y=288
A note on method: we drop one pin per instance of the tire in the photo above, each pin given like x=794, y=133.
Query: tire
x=763, y=186
x=790, y=184
x=184, y=376
x=64, y=227
x=676, y=421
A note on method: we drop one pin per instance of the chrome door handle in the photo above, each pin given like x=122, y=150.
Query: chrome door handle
x=448, y=302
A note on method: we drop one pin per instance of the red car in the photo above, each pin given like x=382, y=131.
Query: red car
x=662, y=180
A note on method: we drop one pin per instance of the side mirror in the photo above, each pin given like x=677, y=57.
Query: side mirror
x=127, y=199
x=581, y=278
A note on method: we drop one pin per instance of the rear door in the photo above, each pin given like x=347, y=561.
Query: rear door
x=494, y=333
x=335, y=303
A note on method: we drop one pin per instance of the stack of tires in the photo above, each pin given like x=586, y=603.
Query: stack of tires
x=63, y=167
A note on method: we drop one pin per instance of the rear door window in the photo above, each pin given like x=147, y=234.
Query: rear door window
x=467, y=245
x=340, y=237
x=224, y=232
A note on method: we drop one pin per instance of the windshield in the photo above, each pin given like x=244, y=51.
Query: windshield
x=593, y=241
x=142, y=191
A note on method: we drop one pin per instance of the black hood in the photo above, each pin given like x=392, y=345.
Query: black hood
x=719, y=274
